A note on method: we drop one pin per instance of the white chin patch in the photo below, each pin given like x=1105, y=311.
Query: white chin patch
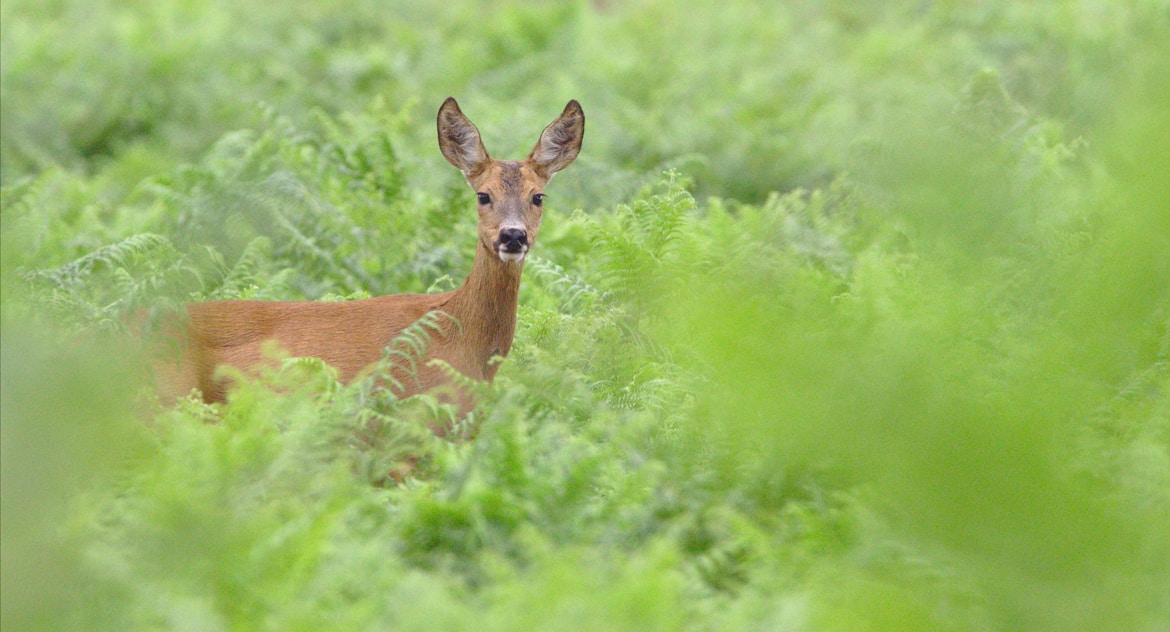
x=512, y=256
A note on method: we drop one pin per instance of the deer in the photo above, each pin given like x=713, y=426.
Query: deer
x=479, y=317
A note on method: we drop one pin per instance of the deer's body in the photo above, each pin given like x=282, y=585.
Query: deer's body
x=479, y=317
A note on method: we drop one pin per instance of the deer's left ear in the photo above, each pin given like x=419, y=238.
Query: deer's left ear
x=560, y=142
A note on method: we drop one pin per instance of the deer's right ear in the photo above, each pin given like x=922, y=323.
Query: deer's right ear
x=459, y=139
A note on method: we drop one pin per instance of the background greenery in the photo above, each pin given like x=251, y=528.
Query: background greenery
x=850, y=316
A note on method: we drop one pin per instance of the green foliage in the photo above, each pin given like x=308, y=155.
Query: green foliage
x=850, y=316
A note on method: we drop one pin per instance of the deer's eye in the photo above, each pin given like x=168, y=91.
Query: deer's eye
x=538, y=199
x=484, y=198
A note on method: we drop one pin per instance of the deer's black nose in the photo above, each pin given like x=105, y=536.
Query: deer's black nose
x=513, y=239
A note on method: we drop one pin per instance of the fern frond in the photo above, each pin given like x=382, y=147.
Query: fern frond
x=246, y=271
x=572, y=290
x=661, y=217
x=442, y=284
x=642, y=237
x=459, y=380
x=121, y=254
x=404, y=352
x=99, y=289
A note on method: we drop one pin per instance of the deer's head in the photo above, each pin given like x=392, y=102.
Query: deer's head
x=509, y=193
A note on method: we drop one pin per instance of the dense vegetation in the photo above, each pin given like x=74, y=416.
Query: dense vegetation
x=850, y=316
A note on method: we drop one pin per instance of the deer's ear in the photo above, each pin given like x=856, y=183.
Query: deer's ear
x=560, y=142
x=459, y=140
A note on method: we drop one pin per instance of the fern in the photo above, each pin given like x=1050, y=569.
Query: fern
x=639, y=243
x=442, y=284
x=244, y=276
x=661, y=218
x=119, y=255
x=391, y=433
x=266, y=185
x=574, y=293
x=801, y=219
x=101, y=288
x=299, y=369
x=319, y=220
x=371, y=158
x=403, y=353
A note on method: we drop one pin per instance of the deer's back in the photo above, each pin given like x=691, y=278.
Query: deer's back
x=347, y=335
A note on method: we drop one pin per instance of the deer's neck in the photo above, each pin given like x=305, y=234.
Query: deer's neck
x=486, y=308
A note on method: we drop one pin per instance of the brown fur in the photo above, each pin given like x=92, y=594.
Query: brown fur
x=351, y=336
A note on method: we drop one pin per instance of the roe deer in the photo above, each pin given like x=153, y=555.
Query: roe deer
x=351, y=336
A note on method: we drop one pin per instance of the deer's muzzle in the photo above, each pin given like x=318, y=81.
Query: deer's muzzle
x=512, y=244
